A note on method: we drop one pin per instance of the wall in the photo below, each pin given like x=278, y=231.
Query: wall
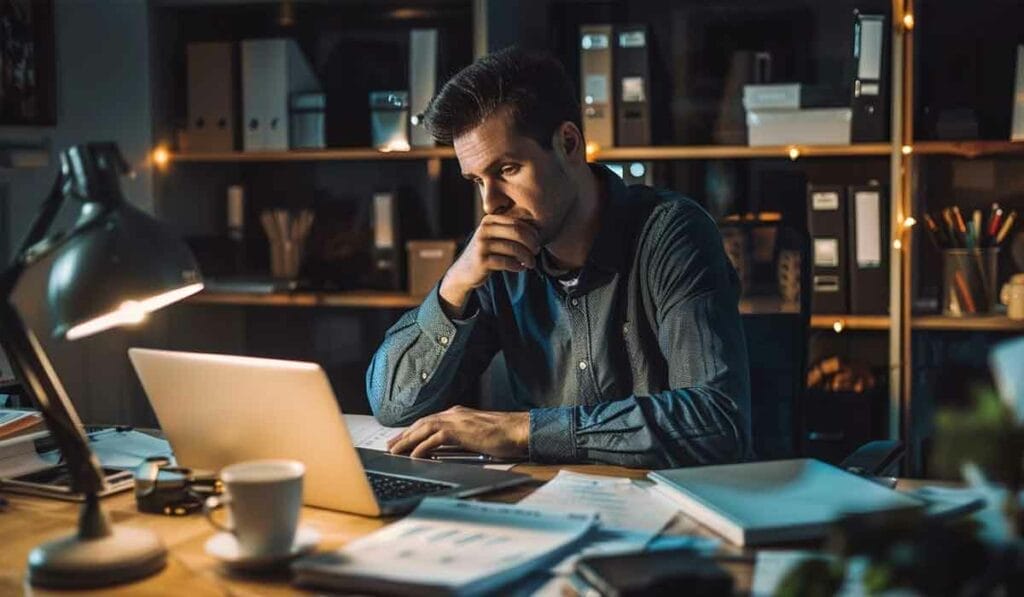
x=103, y=93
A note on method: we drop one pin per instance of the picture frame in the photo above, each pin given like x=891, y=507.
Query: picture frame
x=27, y=63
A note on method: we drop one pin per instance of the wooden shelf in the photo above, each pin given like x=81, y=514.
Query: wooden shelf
x=850, y=322
x=711, y=152
x=981, y=323
x=315, y=155
x=668, y=152
x=968, y=149
x=368, y=299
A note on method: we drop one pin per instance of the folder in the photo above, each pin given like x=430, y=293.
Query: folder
x=596, y=95
x=632, y=86
x=868, y=262
x=826, y=222
x=870, y=83
x=422, y=82
x=211, y=99
x=272, y=70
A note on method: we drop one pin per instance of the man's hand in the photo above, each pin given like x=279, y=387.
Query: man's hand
x=498, y=434
x=500, y=243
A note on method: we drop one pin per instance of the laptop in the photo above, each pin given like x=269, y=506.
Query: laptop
x=220, y=409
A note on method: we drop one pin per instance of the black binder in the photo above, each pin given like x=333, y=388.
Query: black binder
x=632, y=86
x=868, y=250
x=826, y=222
x=870, y=102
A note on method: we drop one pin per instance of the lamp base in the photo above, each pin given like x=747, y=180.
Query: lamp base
x=126, y=554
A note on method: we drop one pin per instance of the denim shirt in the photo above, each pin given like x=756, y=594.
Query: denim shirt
x=641, y=363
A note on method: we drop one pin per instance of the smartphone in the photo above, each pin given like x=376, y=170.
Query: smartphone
x=55, y=482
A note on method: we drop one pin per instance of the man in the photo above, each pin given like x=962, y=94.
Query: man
x=615, y=308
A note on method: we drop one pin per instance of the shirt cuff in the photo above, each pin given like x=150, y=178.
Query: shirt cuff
x=552, y=435
x=433, y=322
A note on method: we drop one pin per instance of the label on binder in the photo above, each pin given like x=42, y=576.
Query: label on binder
x=826, y=252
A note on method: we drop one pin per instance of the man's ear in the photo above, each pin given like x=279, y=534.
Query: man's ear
x=567, y=142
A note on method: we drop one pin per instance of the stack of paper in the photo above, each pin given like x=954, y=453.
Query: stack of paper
x=447, y=547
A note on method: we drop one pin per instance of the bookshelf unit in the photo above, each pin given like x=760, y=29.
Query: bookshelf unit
x=898, y=162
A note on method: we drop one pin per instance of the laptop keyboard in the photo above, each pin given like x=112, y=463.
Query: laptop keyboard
x=389, y=487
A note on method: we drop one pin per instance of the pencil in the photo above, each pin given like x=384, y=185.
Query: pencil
x=947, y=217
x=994, y=222
x=978, y=234
x=1005, y=230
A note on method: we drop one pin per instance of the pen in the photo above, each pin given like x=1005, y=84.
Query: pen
x=473, y=458
x=994, y=222
x=947, y=217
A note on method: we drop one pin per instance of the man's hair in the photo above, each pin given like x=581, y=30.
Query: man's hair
x=532, y=86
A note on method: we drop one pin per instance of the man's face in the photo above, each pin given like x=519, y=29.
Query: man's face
x=515, y=176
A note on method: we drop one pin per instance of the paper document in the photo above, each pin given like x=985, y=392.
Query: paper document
x=127, y=449
x=629, y=515
x=773, y=566
x=448, y=546
x=367, y=433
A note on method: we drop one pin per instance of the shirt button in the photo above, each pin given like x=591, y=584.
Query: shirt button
x=424, y=376
x=574, y=302
x=582, y=365
x=443, y=340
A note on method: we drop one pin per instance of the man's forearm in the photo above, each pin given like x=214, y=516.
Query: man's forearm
x=682, y=427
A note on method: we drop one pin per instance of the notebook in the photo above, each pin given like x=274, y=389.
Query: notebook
x=448, y=547
x=756, y=503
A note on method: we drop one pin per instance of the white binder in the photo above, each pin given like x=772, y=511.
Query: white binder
x=272, y=70
x=422, y=82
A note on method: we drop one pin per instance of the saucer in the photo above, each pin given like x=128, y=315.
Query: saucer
x=224, y=547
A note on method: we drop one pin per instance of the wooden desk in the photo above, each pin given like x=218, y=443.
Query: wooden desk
x=29, y=521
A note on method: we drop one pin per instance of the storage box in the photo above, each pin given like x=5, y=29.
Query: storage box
x=809, y=126
x=428, y=262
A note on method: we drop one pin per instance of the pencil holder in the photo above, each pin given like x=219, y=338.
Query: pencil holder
x=969, y=281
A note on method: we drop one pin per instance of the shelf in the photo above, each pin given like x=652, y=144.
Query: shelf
x=981, y=323
x=850, y=322
x=713, y=152
x=368, y=299
x=315, y=155
x=968, y=149
x=668, y=152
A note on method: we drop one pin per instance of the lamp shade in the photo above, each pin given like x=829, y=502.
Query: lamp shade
x=122, y=267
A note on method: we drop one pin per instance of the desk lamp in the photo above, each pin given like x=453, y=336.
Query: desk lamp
x=113, y=266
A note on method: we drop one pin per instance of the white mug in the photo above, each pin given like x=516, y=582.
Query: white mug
x=264, y=498
x=1012, y=295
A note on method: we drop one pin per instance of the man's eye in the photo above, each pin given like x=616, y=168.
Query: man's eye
x=509, y=170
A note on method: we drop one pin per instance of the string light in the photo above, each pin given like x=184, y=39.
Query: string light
x=838, y=326
x=908, y=21
x=794, y=153
x=907, y=150
x=909, y=222
x=897, y=244
x=161, y=157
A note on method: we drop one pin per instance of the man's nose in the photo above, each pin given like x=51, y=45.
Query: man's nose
x=495, y=202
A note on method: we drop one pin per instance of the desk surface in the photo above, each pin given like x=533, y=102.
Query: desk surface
x=29, y=521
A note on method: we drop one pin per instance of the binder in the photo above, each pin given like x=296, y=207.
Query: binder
x=272, y=70
x=868, y=250
x=386, y=256
x=632, y=86
x=596, y=95
x=422, y=82
x=826, y=222
x=870, y=83
x=211, y=100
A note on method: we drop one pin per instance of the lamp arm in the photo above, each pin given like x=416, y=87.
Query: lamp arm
x=30, y=364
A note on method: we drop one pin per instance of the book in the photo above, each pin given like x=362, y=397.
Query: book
x=448, y=547
x=14, y=422
x=756, y=503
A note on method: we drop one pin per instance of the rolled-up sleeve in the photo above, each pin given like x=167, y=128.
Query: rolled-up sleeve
x=427, y=361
